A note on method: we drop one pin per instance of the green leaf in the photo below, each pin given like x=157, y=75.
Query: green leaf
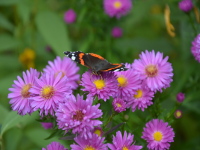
x=12, y=120
x=8, y=2
x=54, y=31
x=38, y=135
x=24, y=9
x=7, y=42
x=3, y=113
x=15, y=134
x=5, y=23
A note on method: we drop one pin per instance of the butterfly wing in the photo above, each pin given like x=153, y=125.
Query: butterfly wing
x=76, y=56
x=114, y=67
x=95, y=62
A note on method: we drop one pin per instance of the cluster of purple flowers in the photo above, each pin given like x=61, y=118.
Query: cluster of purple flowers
x=157, y=133
x=134, y=88
x=51, y=93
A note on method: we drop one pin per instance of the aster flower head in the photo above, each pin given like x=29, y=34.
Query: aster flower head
x=180, y=97
x=20, y=92
x=185, y=5
x=70, y=16
x=119, y=104
x=78, y=115
x=178, y=114
x=123, y=142
x=128, y=82
x=158, y=134
x=116, y=32
x=90, y=142
x=67, y=67
x=195, y=49
x=55, y=146
x=142, y=99
x=154, y=70
x=103, y=86
x=47, y=125
x=117, y=8
x=98, y=131
x=49, y=91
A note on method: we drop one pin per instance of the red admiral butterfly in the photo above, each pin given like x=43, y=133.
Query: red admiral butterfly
x=95, y=62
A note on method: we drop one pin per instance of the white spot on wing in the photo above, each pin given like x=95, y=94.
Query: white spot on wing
x=117, y=69
x=73, y=57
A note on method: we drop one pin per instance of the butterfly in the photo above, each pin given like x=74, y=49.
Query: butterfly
x=94, y=61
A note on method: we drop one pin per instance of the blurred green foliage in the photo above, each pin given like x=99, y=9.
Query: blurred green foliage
x=36, y=24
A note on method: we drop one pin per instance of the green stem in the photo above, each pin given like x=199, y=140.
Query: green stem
x=192, y=23
x=109, y=119
x=172, y=112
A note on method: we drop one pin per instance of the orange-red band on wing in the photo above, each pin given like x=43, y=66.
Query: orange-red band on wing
x=95, y=55
x=118, y=66
x=81, y=58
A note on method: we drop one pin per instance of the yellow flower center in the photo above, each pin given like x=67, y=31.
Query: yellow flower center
x=125, y=148
x=89, y=148
x=157, y=136
x=98, y=132
x=100, y=84
x=151, y=70
x=25, y=91
x=122, y=81
x=78, y=116
x=139, y=94
x=117, y=4
x=118, y=105
x=47, y=92
x=178, y=113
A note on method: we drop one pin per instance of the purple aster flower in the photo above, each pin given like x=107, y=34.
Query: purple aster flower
x=180, y=97
x=156, y=71
x=116, y=32
x=142, y=99
x=98, y=131
x=178, y=114
x=70, y=16
x=123, y=142
x=20, y=92
x=55, y=146
x=103, y=86
x=67, y=67
x=78, y=115
x=158, y=134
x=185, y=5
x=128, y=82
x=47, y=125
x=49, y=91
x=91, y=142
x=119, y=105
x=195, y=49
x=117, y=8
